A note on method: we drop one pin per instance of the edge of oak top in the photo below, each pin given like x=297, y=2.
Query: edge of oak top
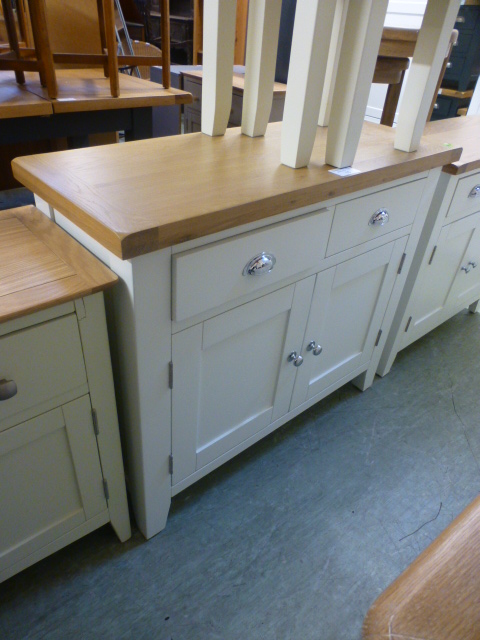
x=458, y=132
x=141, y=196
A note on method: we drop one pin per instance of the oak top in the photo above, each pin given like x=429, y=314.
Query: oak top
x=17, y=102
x=140, y=196
x=42, y=266
x=458, y=132
x=89, y=90
x=238, y=81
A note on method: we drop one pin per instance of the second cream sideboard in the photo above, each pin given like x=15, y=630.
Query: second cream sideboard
x=211, y=360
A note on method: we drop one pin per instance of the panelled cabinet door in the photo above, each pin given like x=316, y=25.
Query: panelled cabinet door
x=233, y=376
x=348, y=306
x=441, y=281
x=50, y=480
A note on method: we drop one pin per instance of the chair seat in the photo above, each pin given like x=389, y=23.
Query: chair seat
x=438, y=596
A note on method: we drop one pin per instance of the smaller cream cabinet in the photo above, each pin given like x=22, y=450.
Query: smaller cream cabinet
x=445, y=277
x=61, y=471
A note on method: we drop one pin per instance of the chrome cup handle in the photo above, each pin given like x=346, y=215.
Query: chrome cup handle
x=8, y=389
x=259, y=264
x=379, y=218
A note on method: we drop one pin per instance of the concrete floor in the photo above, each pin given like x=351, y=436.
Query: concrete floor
x=296, y=537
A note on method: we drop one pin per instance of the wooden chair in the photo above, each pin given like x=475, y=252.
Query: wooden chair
x=141, y=48
x=396, y=47
x=437, y=596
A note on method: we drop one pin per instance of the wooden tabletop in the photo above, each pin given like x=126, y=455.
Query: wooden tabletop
x=42, y=266
x=16, y=101
x=82, y=90
x=238, y=81
x=457, y=132
x=141, y=196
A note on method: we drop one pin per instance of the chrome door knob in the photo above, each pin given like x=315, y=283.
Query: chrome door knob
x=475, y=192
x=379, y=218
x=315, y=348
x=296, y=359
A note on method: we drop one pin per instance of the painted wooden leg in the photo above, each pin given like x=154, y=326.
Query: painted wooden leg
x=9, y=19
x=363, y=32
x=428, y=57
x=308, y=62
x=111, y=40
x=333, y=59
x=473, y=307
x=218, y=50
x=166, y=43
x=262, y=43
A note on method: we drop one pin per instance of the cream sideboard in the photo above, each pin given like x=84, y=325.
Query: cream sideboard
x=445, y=274
x=211, y=358
x=61, y=471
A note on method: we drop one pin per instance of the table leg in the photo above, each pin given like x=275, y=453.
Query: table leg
x=142, y=124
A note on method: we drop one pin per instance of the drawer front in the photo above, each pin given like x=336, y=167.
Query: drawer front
x=210, y=276
x=353, y=223
x=466, y=199
x=455, y=67
x=195, y=88
x=45, y=362
x=442, y=107
x=463, y=43
x=467, y=18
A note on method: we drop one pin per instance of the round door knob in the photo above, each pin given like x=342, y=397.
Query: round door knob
x=315, y=348
x=296, y=359
x=8, y=389
x=475, y=192
x=379, y=218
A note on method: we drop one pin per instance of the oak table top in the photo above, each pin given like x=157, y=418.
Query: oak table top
x=42, y=266
x=17, y=102
x=238, y=81
x=140, y=196
x=458, y=132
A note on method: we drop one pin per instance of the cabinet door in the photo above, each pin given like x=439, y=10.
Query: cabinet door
x=441, y=283
x=232, y=376
x=50, y=480
x=348, y=306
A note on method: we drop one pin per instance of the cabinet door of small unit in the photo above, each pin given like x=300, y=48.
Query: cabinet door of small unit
x=233, y=375
x=347, y=311
x=51, y=481
x=442, y=282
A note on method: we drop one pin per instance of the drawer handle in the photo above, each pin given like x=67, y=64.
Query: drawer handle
x=296, y=359
x=8, y=389
x=475, y=192
x=379, y=218
x=471, y=265
x=315, y=348
x=436, y=106
x=449, y=65
x=257, y=266
x=460, y=19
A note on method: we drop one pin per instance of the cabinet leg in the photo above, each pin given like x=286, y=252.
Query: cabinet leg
x=473, y=307
x=364, y=380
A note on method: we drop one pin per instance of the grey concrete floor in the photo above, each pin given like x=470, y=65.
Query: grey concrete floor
x=294, y=538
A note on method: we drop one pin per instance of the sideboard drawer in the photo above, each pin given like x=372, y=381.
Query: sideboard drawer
x=466, y=199
x=212, y=275
x=354, y=221
x=45, y=362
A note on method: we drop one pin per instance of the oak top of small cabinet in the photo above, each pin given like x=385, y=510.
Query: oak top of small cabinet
x=42, y=266
x=140, y=196
x=458, y=132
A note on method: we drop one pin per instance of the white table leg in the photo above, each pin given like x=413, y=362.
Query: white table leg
x=218, y=49
x=262, y=43
x=308, y=61
x=432, y=43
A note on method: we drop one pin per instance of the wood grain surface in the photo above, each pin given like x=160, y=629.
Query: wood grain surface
x=42, y=266
x=17, y=102
x=457, y=132
x=141, y=196
x=436, y=598
x=238, y=81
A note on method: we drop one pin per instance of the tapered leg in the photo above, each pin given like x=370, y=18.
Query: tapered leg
x=12, y=35
x=42, y=46
x=111, y=41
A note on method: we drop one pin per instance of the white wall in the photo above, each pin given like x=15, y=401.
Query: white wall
x=400, y=13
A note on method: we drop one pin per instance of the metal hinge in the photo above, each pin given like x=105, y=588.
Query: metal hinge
x=433, y=253
x=378, y=338
x=170, y=464
x=408, y=324
x=402, y=261
x=105, y=489
x=170, y=375
x=96, y=430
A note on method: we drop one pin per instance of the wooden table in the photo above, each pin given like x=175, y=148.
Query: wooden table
x=84, y=106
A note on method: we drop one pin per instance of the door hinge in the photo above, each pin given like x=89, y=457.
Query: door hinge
x=402, y=262
x=105, y=489
x=170, y=375
x=433, y=253
x=378, y=338
x=408, y=324
x=96, y=430
x=170, y=464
